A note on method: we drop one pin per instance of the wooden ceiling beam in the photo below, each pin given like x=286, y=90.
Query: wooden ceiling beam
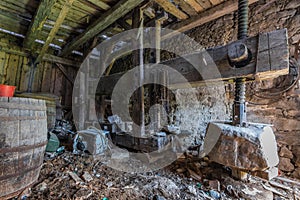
x=100, y=4
x=204, y=3
x=38, y=22
x=206, y=16
x=61, y=17
x=107, y=19
x=215, y=2
x=187, y=8
x=194, y=4
x=171, y=8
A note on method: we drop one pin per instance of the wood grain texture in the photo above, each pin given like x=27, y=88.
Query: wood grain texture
x=187, y=8
x=213, y=65
x=171, y=8
x=61, y=17
x=38, y=21
x=22, y=143
x=207, y=16
x=108, y=18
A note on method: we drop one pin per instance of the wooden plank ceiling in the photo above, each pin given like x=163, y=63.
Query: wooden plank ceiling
x=67, y=27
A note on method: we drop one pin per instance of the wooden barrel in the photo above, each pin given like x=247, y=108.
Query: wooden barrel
x=23, y=139
x=52, y=104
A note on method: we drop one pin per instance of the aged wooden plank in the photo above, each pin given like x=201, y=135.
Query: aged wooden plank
x=85, y=7
x=36, y=25
x=47, y=57
x=5, y=68
x=2, y=65
x=194, y=4
x=64, y=61
x=263, y=58
x=37, y=77
x=207, y=16
x=100, y=4
x=171, y=8
x=46, y=82
x=19, y=72
x=69, y=87
x=204, y=3
x=11, y=25
x=25, y=75
x=58, y=83
x=53, y=78
x=187, y=8
x=201, y=66
x=215, y=2
x=108, y=18
x=55, y=28
x=14, y=9
x=12, y=69
x=278, y=58
x=65, y=73
x=29, y=8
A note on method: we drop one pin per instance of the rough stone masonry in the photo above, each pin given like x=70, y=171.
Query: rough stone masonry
x=268, y=102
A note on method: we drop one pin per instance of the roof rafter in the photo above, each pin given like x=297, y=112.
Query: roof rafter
x=206, y=16
x=171, y=8
x=107, y=19
x=61, y=17
x=38, y=22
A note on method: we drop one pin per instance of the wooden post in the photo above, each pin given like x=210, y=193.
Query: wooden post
x=141, y=72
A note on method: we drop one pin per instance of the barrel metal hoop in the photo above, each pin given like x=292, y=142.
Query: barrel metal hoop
x=17, y=118
x=10, y=105
x=17, y=193
x=22, y=148
x=21, y=172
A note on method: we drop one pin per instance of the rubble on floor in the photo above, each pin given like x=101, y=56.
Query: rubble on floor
x=71, y=176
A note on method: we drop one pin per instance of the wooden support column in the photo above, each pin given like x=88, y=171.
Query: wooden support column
x=138, y=97
x=171, y=8
x=38, y=22
x=142, y=75
x=61, y=17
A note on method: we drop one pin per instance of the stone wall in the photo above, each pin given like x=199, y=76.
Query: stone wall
x=272, y=105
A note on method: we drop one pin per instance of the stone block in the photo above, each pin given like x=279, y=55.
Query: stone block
x=287, y=124
x=286, y=165
x=293, y=4
x=285, y=152
x=288, y=137
x=252, y=148
x=296, y=173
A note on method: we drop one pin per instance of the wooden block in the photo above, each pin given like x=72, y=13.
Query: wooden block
x=87, y=177
x=267, y=174
x=75, y=177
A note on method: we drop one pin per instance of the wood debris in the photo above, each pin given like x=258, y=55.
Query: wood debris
x=70, y=176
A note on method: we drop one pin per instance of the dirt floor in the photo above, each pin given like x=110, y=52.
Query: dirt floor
x=70, y=176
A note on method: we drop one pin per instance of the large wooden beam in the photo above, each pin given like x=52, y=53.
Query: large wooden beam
x=38, y=22
x=47, y=57
x=64, y=61
x=100, y=4
x=209, y=15
x=270, y=59
x=108, y=18
x=61, y=17
x=171, y=8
